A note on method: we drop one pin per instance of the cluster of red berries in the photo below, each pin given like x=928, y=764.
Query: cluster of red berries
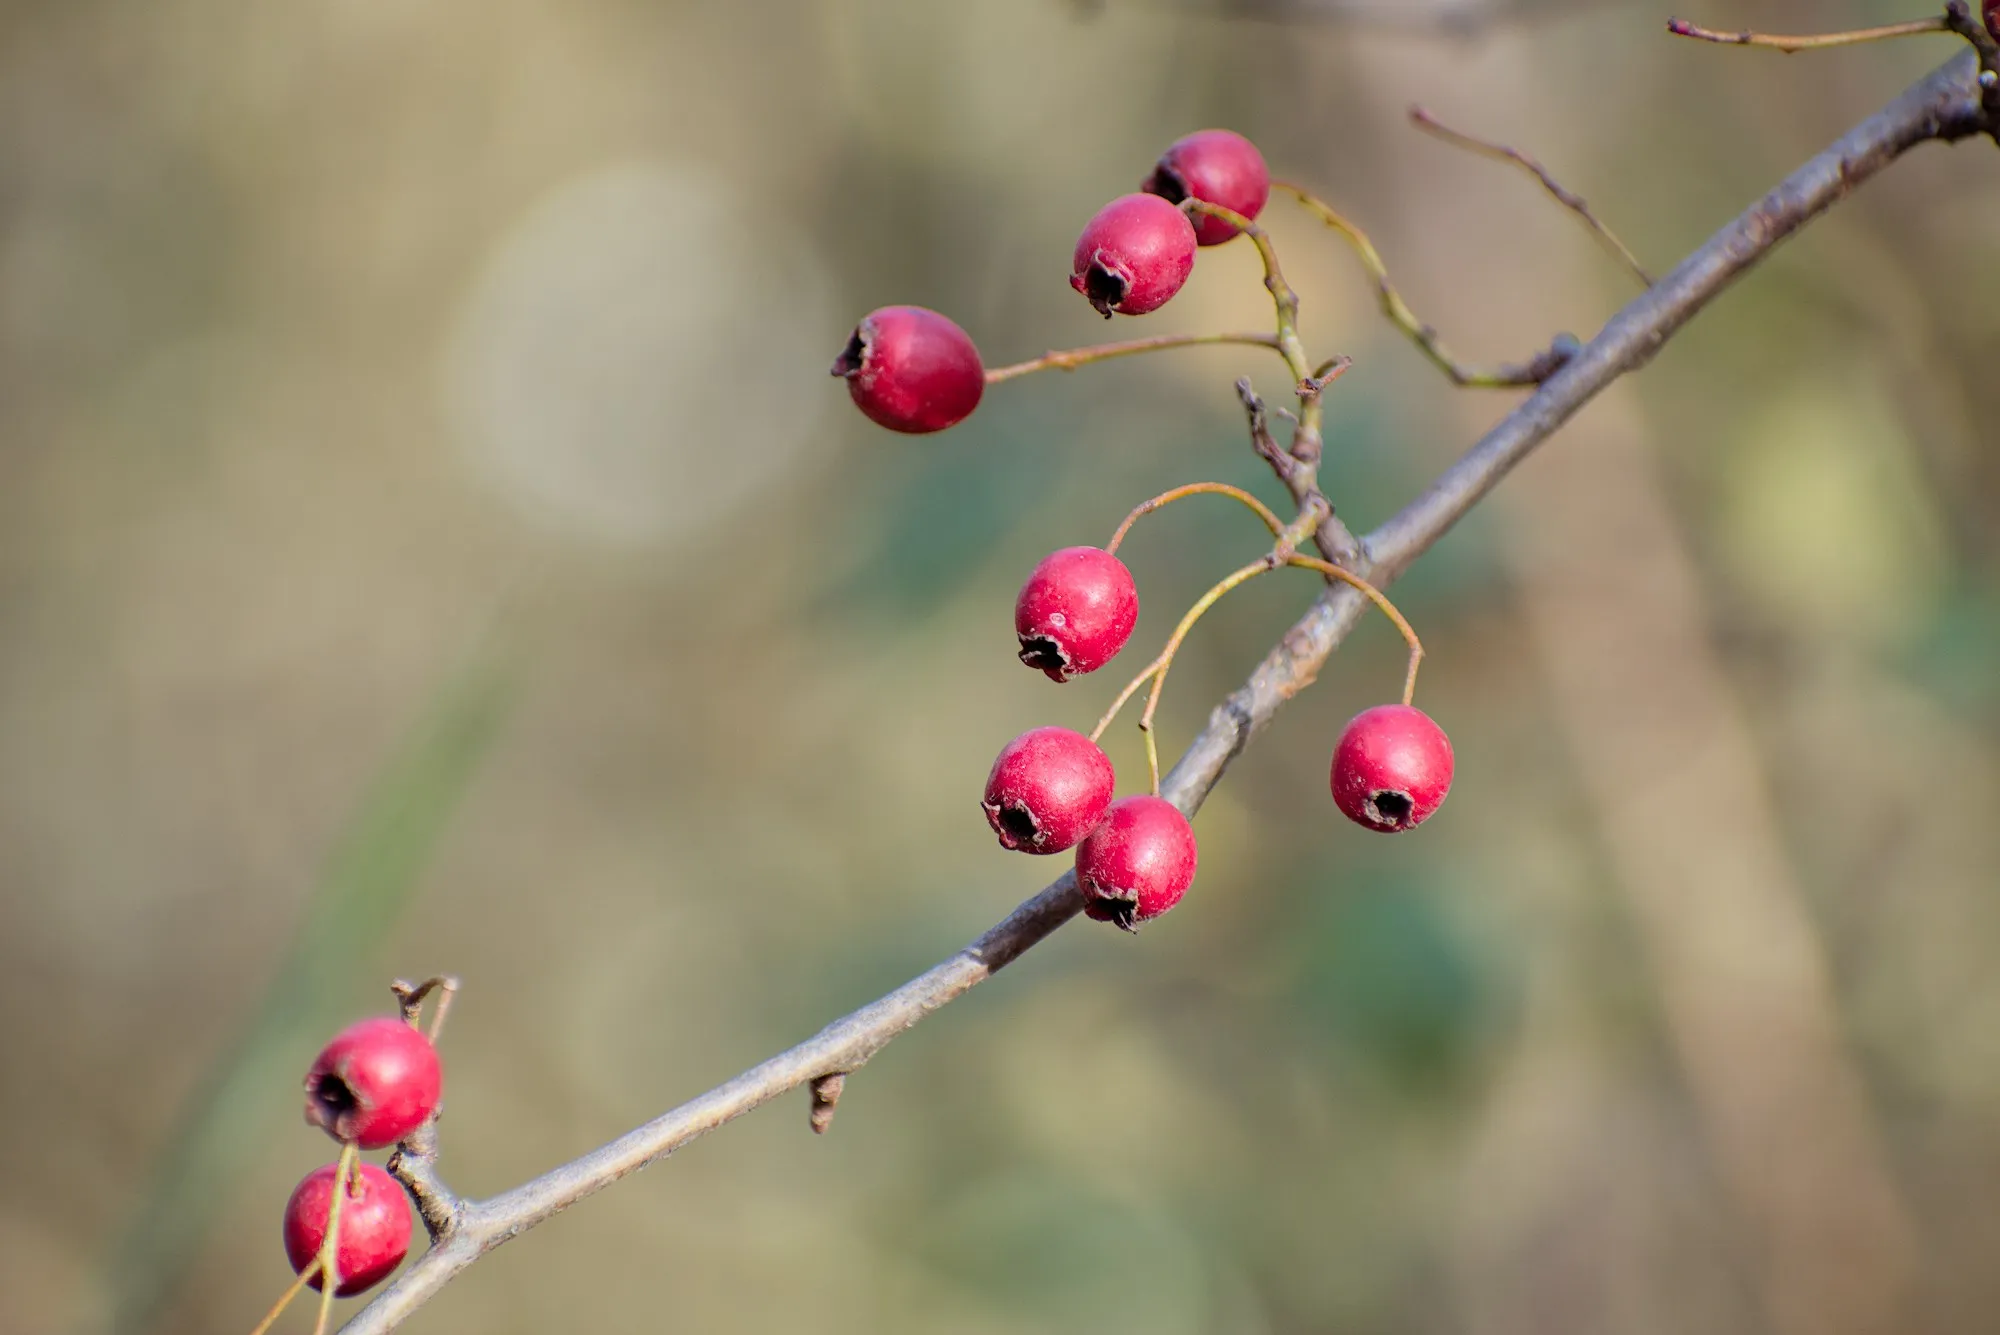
x=373, y=1084
x=911, y=369
x=1052, y=789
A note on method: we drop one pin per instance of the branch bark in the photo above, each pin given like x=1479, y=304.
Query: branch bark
x=1945, y=106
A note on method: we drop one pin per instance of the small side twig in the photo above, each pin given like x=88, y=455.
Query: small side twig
x=1570, y=200
x=1810, y=41
x=1398, y=311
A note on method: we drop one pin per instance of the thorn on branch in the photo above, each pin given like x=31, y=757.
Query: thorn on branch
x=825, y=1097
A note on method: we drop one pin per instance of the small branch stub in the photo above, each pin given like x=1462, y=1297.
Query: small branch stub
x=825, y=1098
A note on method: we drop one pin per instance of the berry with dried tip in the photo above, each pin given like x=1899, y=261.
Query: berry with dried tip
x=374, y=1083
x=1133, y=256
x=1075, y=612
x=374, y=1226
x=1048, y=788
x=1137, y=863
x=1216, y=167
x=911, y=369
x=1391, y=768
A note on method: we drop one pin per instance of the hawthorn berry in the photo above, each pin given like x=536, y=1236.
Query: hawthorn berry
x=1048, y=788
x=1391, y=768
x=374, y=1083
x=1075, y=612
x=1216, y=167
x=1991, y=10
x=911, y=369
x=1133, y=256
x=1137, y=863
x=374, y=1226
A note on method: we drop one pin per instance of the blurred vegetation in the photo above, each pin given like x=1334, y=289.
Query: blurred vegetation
x=333, y=337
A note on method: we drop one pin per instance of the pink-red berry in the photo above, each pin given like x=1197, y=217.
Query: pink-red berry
x=1075, y=612
x=374, y=1226
x=1048, y=788
x=911, y=369
x=374, y=1083
x=1216, y=167
x=1137, y=863
x=1991, y=10
x=1133, y=256
x=1391, y=768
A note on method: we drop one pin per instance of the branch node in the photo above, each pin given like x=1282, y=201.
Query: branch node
x=414, y=1164
x=825, y=1097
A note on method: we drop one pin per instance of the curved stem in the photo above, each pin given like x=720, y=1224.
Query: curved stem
x=1166, y=498
x=299, y=1282
x=1124, y=697
x=1570, y=200
x=1173, y=645
x=1071, y=358
x=1810, y=42
x=1381, y=601
x=329, y=1246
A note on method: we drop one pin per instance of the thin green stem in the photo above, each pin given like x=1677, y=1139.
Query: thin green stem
x=1381, y=601
x=1166, y=658
x=329, y=1247
x=1071, y=358
x=1166, y=498
x=1811, y=41
x=299, y=1282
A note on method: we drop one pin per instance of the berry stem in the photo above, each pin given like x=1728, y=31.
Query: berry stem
x=1381, y=600
x=1166, y=659
x=1124, y=696
x=329, y=1247
x=1811, y=41
x=299, y=1282
x=1431, y=125
x=1071, y=358
x=1166, y=498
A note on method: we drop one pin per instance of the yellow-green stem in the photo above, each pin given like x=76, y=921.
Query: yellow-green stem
x=329, y=1247
x=1166, y=498
x=1070, y=358
x=1381, y=601
x=299, y=1282
x=1811, y=41
x=1166, y=660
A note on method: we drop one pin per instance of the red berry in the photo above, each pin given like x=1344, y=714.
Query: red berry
x=1075, y=612
x=1216, y=167
x=376, y=1082
x=911, y=369
x=1133, y=256
x=1991, y=10
x=374, y=1226
x=1391, y=768
x=1047, y=789
x=1136, y=864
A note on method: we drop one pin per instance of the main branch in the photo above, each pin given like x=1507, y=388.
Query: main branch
x=1945, y=106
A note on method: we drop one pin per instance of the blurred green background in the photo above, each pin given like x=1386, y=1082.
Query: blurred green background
x=429, y=540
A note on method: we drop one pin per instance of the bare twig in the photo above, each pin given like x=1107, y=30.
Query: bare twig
x=1809, y=42
x=1069, y=359
x=1570, y=200
x=1944, y=106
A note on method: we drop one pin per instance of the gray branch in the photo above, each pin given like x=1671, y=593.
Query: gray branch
x=1945, y=106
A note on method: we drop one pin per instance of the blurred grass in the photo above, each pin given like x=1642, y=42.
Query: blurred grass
x=371, y=875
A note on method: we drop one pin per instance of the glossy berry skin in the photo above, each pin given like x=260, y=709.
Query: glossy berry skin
x=1216, y=167
x=1391, y=768
x=911, y=369
x=1133, y=256
x=1137, y=863
x=374, y=1226
x=1075, y=612
x=1048, y=789
x=374, y=1083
